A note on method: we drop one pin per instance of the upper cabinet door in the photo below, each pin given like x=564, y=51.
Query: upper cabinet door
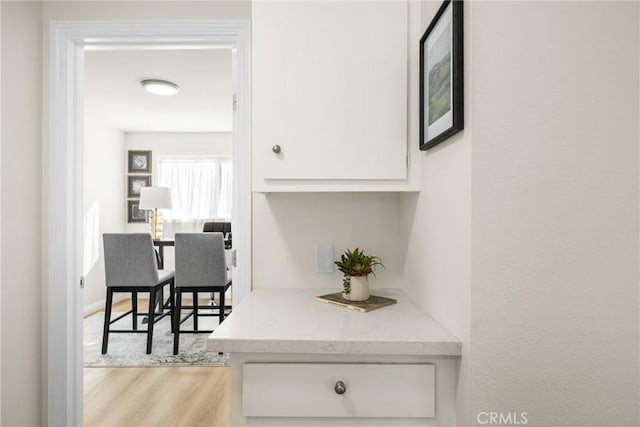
x=329, y=87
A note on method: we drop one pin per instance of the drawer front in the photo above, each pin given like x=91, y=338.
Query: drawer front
x=309, y=390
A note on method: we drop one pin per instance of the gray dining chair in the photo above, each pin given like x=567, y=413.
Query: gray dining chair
x=131, y=267
x=217, y=227
x=200, y=267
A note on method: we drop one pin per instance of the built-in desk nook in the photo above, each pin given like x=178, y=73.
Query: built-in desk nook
x=297, y=361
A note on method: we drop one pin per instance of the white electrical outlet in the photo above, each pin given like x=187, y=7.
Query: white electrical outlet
x=324, y=258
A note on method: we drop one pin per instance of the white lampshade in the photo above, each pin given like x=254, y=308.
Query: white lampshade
x=155, y=198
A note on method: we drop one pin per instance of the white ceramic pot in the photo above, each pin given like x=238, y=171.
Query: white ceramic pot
x=359, y=289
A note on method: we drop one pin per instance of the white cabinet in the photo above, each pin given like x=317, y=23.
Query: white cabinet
x=329, y=87
x=298, y=390
x=338, y=390
x=288, y=351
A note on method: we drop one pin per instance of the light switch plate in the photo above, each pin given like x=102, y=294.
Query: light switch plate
x=324, y=257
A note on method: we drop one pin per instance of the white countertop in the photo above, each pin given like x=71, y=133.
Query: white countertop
x=292, y=321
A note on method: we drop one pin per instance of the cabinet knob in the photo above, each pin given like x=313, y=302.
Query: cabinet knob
x=340, y=387
x=276, y=149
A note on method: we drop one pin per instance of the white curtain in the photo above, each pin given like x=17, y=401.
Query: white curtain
x=201, y=188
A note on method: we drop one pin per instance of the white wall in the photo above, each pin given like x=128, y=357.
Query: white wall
x=166, y=143
x=104, y=183
x=146, y=10
x=22, y=174
x=554, y=304
x=24, y=57
x=287, y=226
x=524, y=239
x=437, y=221
x=0, y=214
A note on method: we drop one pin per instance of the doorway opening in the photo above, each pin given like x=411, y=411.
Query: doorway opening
x=70, y=42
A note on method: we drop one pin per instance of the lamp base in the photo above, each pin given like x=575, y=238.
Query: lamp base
x=155, y=224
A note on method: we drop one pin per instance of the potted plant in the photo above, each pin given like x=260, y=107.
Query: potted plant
x=356, y=266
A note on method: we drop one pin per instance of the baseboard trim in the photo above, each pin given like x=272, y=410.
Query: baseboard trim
x=99, y=305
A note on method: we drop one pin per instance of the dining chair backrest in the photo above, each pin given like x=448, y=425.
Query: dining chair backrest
x=129, y=259
x=200, y=260
x=217, y=227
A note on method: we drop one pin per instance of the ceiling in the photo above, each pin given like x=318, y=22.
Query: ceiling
x=203, y=103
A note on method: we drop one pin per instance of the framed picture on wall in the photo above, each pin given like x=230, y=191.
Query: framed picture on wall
x=139, y=161
x=441, y=76
x=135, y=214
x=135, y=183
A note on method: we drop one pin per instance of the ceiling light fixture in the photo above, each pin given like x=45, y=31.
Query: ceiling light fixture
x=159, y=87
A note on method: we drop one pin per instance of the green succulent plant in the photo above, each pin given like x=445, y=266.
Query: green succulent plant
x=356, y=263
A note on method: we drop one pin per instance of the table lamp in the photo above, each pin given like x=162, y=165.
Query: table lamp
x=154, y=198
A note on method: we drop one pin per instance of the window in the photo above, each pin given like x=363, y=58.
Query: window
x=200, y=187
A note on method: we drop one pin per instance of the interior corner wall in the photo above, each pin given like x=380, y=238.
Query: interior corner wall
x=104, y=184
x=555, y=211
x=21, y=374
x=437, y=220
x=287, y=226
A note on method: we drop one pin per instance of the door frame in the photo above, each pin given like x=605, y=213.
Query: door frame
x=64, y=154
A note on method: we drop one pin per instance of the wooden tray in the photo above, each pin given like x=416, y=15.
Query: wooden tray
x=373, y=303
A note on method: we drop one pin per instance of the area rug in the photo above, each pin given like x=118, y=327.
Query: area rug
x=128, y=349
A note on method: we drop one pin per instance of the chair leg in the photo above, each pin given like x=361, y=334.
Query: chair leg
x=134, y=309
x=107, y=320
x=172, y=302
x=221, y=319
x=176, y=321
x=152, y=313
x=195, y=311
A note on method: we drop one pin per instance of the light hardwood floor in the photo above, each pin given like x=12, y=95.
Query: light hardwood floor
x=160, y=396
x=182, y=396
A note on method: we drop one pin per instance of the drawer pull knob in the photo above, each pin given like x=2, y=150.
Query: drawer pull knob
x=340, y=387
x=276, y=149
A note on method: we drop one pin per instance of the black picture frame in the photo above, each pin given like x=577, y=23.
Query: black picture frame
x=135, y=214
x=442, y=116
x=139, y=161
x=135, y=183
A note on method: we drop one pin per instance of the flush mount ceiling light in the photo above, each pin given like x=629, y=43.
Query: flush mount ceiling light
x=159, y=87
